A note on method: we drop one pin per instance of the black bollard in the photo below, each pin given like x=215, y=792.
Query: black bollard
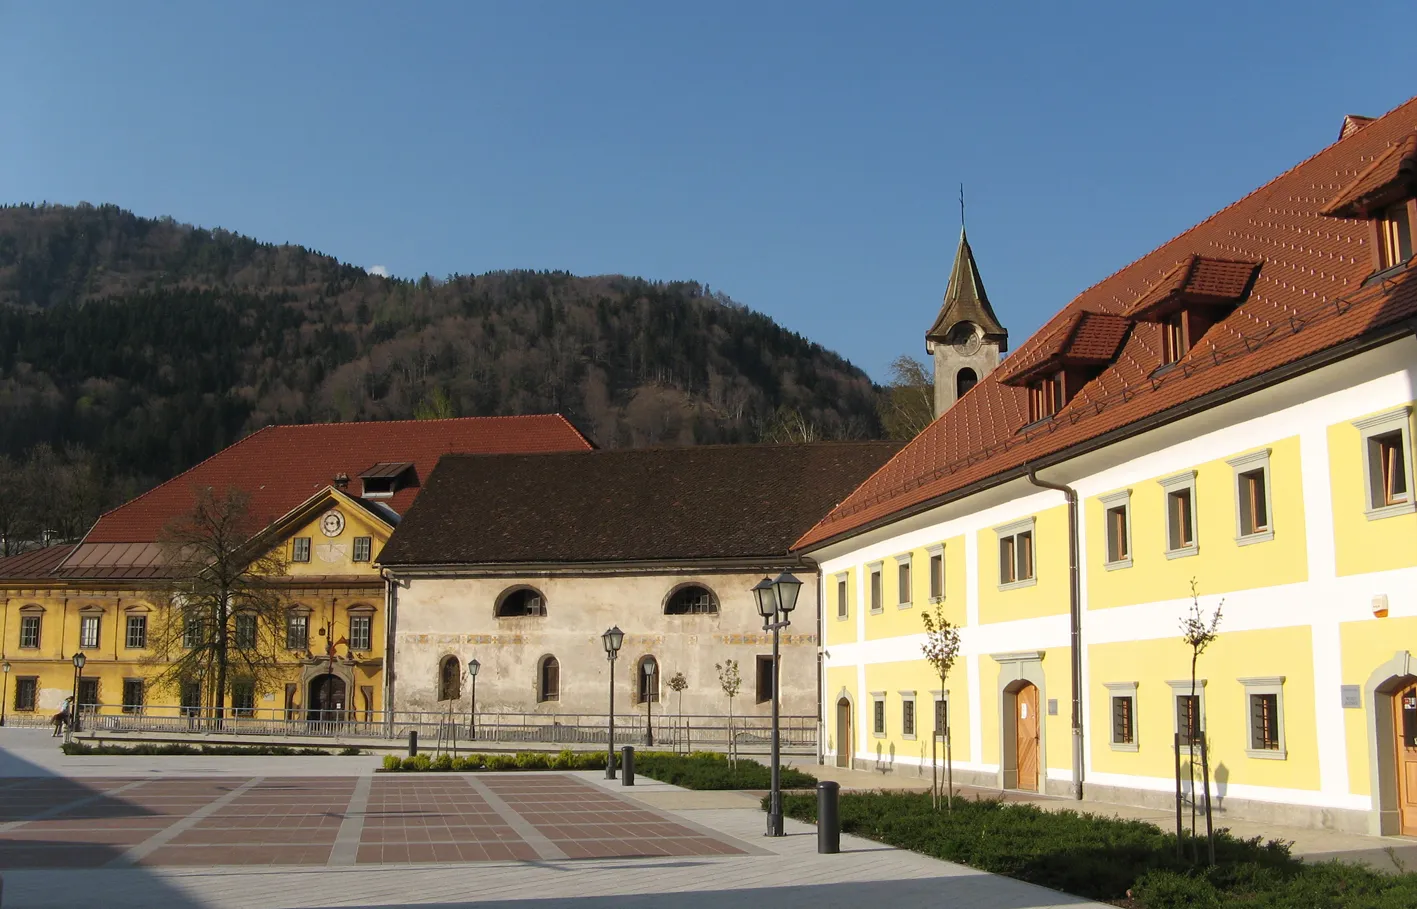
x=412, y=742
x=828, y=818
x=627, y=765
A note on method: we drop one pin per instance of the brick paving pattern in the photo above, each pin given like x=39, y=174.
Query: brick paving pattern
x=65, y=823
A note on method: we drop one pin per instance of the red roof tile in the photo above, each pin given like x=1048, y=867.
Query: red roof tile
x=1307, y=298
x=1196, y=280
x=282, y=466
x=1391, y=178
x=1086, y=339
x=33, y=565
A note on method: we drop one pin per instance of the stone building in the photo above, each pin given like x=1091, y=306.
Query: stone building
x=329, y=495
x=522, y=561
x=966, y=338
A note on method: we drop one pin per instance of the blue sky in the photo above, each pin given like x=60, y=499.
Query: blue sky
x=804, y=158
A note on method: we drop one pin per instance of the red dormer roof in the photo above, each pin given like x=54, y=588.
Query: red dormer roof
x=282, y=466
x=1307, y=299
x=1085, y=339
x=1195, y=281
x=1392, y=177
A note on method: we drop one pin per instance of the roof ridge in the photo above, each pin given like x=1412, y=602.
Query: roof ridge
x=716, y=446
x=443, y=420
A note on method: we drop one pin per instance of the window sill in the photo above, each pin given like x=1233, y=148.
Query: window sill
x=935, y=601
x=843, y=618
x=1122, y=746
x=878, y=735
x=1015, y=585
x=1183, y=552
x=904, y=605
x=1390, y=511
x=877, y=610
x=1118, y=565
x=908, y=738
x=1267, y=754
x=1264, y=536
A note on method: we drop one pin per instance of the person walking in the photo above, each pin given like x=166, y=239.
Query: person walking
x=61, y=719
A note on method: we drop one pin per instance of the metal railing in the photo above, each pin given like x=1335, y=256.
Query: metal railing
x=699, y=732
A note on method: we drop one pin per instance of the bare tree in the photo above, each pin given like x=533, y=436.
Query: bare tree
x=1199, y=633
x=677, y=684
x=941, y=648
x=789, y=425
x=224, y=616
x=908, y=401
x=731, y=681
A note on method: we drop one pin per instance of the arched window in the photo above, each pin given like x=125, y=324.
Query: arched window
x=965, y=379
x=691, y=599
x=647, y=679
x=548, y=679
x=449, y=679
x=518, y=602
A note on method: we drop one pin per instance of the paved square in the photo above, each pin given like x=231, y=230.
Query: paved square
x=366, y=820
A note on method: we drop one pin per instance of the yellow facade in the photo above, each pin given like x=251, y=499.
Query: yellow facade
x=1362, y=544
x=1049, y=594
x=840, y=629
x=896, y=618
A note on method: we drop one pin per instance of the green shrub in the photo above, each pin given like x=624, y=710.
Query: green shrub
x=565, y=760
x=392, y=763
x=442, y=762
x=713, y=771
x=533, y=760
x=419, y=762
x=1173, y=890
x=590, y=760
x=501, y=762
x=351, y=751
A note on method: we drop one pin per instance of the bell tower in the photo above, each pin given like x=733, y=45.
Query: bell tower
x=966, y=338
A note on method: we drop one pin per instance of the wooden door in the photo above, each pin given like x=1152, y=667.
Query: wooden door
x=1026, y=728
x=1404, y=725
x=845, y=735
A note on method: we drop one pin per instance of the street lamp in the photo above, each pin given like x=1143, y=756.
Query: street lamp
x=79, y=660
x=4, y=689
x=776, y=599
x=472, y=667
x=612, y=639
x=651, y=691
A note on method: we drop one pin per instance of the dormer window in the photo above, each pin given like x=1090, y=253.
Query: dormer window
x=1175, y=339
x=1045, y=398
x=386, y=478
x=1394, y=236
x=1195, y=294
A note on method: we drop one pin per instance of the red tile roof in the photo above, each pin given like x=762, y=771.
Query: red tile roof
x=1392, y=177
x=1309, y=297
x=1086, y=339
x=282, y=466
x=33, y=565
x=1196, y=280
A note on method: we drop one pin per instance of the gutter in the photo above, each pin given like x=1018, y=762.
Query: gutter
x=1074, y=619
x=391, y=603
x=1326, y=357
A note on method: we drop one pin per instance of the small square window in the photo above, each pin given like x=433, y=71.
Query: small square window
x=1265, y=710
x=1253, y=521
x=1123, y=698
x=89, y=627
x=907, y=716
x=362, y=548
x=1116, y=515
x=137, y=633
x=878, y=714
x=843, y=603
x=1387, y=463
x=937, y=573
x=1016, y=564
x=902, y=581
x=29, y=631
x=361, y=632
x=876, y=587
x=300, y=549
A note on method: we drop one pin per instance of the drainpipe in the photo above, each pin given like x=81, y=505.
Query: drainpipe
x=1075, y=620
x=391, y=599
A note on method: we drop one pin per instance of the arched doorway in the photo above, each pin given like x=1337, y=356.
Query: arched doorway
x=1404, y=728
x=845, y=735
x=326, y=698
x=1025, y=728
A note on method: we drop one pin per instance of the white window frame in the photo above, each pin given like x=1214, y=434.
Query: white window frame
x=139, y=620
x=908, y=562
x=931, y=554
x=1175, y=484
x=367, y=544
x=878, y=708
x=1273, y=684
x=908, y=697
x=843, y=596
x=36, y=621
x=1369, y=428
x=1182, y=688
x=367, y=619
x=1125, y=690
x=1246, y=463
x=1111, y=501
x=876, y=581
x=1027, y=525
x=300, y=549
x=89, y=620
x=938, y=696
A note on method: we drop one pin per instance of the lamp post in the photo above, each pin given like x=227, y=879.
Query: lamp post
x=4, y=689
x=79, y=660
x=472, y=667
x=776, y=600
x=651, y=691
x=612, y=639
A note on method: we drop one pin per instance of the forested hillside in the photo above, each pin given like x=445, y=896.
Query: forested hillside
x=135, y=347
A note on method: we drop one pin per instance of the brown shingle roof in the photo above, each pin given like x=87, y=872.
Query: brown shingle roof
x=1308, y=297
x=648, y=505
x=33, y=565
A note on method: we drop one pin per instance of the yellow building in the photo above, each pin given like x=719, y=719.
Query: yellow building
x=1234, y=409
x=331, y=494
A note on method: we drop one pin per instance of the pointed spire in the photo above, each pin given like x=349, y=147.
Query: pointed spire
x=965, y=299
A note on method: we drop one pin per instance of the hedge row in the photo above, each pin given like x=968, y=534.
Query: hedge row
x=700, y=770
x=1111, y=859
x=178, y=748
